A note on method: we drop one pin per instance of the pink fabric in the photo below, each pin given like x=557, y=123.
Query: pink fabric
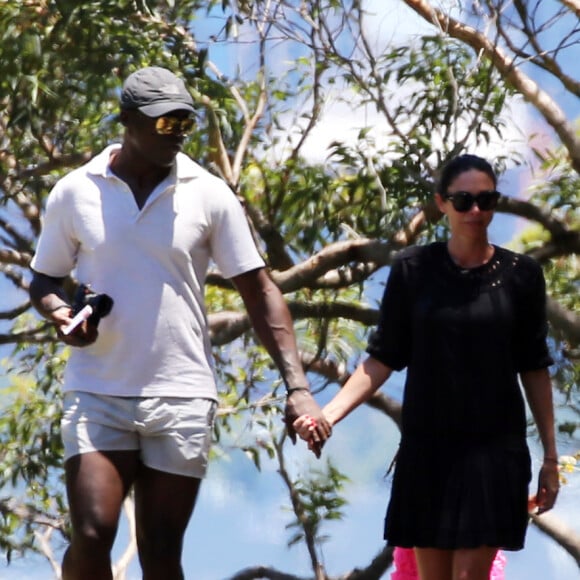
x=498, y=566
x=406, y=566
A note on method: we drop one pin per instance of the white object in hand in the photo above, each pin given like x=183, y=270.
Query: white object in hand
x=79, y=317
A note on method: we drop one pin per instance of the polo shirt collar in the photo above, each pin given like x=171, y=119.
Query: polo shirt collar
x=184, y=168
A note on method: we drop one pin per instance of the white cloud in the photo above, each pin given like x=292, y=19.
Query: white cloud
x=342, y=121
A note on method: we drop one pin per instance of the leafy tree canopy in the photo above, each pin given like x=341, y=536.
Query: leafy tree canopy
x=328, y=225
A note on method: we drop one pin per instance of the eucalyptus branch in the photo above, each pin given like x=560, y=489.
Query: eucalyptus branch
x=541, y=58
x=411, y=231
x=231, y=87
x=11, y=506
x=16, y=276
x=533, y=212
x=565, y=321
x=381, y=99
x=40, y=335
x=562, y=246
x=226, y=326
x=545, y=105
x=264, y=572
x=338, y=265
x=316, y=109
x=333, y=310
x=574, y=5
x=8, y=256
x=121, y=565
x=264, y=401
x=218, y=156
x=360, y=75
x=312, y=271
x=560, y=532
x=30, y=211
x=43, y=537
x=325, y=367
x=17, y=239
x=298, y=508
x=251, y=121
x=377, y=567
x=277, y=253
x=55, y=161
x=14, y=312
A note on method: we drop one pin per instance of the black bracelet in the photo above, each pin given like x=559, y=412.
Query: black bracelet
x=292, y=389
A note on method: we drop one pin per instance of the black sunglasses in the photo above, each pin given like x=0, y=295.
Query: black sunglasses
x=463, y=201
x=167, y=125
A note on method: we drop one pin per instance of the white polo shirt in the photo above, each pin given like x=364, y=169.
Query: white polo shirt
x=153, y=263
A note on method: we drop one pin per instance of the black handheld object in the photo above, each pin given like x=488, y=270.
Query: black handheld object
x=88, y=305
x=101, y=304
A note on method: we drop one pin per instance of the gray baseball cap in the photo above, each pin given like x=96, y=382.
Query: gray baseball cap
x=155, y=91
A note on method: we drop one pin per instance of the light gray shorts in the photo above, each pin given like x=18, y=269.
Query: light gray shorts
x=173, y=434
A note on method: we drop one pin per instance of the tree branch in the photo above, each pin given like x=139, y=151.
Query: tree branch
x=43, y=538
x=560, y=532
x=264, y=572
x=564, y=321
x=226, y=326
x=541, y=58
x=121, y=565
x=299, y=509
x=529, y=89
x=14, y=257
x=532, y=212
x=313, y=270
x=376, y=569
x=574, y=5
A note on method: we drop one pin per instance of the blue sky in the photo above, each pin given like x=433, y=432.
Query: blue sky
x=241, y=515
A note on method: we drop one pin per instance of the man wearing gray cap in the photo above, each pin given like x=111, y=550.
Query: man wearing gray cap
x=140, y=223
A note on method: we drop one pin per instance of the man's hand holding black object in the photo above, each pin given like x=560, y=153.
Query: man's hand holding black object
x=76, y=325
x=83, y=334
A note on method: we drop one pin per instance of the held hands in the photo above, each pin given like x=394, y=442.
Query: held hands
x=301, y=408
x=306, y=427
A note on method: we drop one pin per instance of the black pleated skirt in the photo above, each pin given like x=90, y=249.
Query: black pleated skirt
x=459, y=495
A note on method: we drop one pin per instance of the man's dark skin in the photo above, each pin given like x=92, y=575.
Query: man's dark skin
x=98, y=482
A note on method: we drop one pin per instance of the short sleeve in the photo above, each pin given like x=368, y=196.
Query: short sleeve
x=532, y=327
x=232, y=245
x=57, y=246
x=390, y=342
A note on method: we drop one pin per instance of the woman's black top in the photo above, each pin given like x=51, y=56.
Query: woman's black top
x=463, y=467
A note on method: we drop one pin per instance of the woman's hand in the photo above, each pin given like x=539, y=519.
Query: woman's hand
x=548, y=486
x=306, y=427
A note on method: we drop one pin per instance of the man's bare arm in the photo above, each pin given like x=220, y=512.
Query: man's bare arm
x=273, y=324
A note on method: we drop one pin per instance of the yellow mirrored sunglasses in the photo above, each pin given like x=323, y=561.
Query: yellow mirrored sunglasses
x=167, y=125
